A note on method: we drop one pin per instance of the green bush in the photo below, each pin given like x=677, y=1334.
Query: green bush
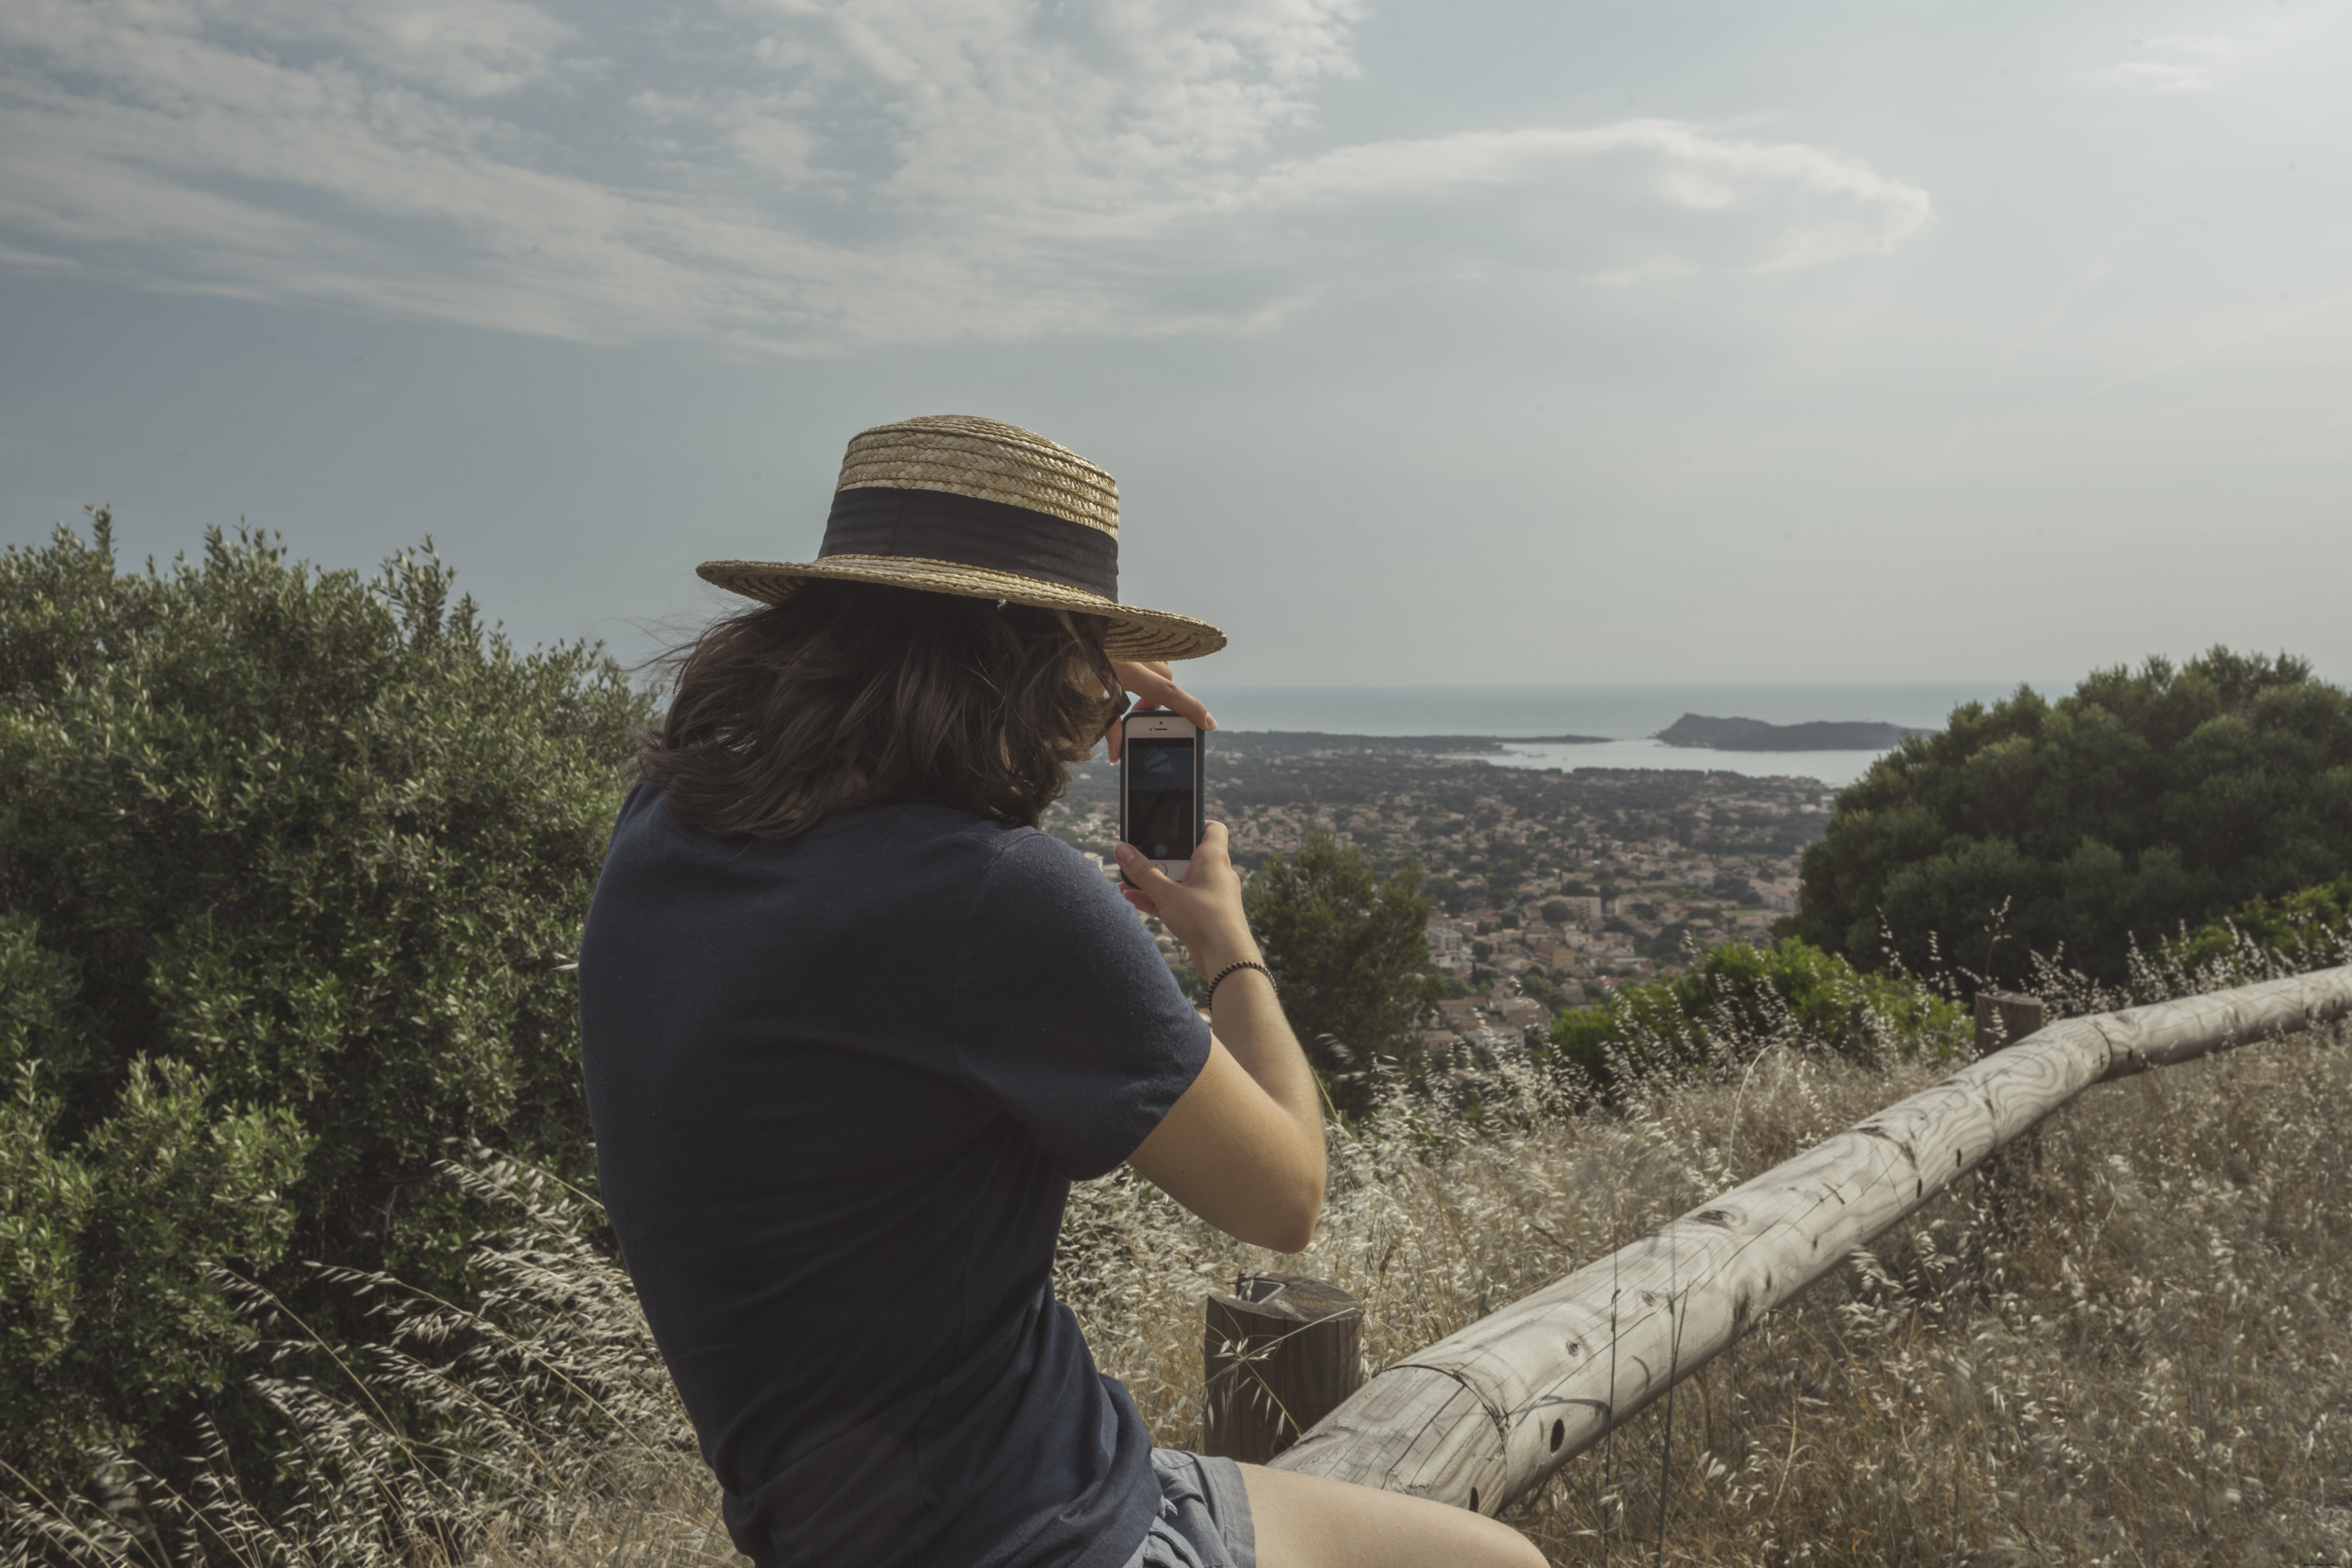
x=291, y=865
x=2308, y=929
x=1739, y=999
x=1350, y=948
x=2070, y=829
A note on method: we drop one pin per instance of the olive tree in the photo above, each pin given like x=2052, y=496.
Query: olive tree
x=292, y=865
x=2145, y=799
x=1350, y=948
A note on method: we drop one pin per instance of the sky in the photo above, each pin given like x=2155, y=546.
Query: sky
x=1475, y=343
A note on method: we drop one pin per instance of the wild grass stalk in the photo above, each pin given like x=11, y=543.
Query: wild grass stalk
x=2130, y=1343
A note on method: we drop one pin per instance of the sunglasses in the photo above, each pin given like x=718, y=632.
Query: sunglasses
x=1121, y=704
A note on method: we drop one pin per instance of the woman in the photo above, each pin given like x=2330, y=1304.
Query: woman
x=851, y=1026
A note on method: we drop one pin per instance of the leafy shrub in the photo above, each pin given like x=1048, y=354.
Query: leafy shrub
x=2308, y=929
x=290, y=867
x=2144, y=800
x=1739, y=999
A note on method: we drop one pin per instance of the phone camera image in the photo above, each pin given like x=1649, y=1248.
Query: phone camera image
x=1159, y=798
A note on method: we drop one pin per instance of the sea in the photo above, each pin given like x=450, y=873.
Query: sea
x=1626, y=717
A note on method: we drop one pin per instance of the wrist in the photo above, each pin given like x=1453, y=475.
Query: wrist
x=1221, y=981
x=1211, y=955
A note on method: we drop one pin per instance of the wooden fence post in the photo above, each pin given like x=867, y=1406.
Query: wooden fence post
x=2005, y=1017
x=1279, y=1355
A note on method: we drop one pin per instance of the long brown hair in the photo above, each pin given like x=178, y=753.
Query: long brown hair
x=849, y=694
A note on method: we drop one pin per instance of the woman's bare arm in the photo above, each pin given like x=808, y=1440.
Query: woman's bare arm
x=1243, y=1148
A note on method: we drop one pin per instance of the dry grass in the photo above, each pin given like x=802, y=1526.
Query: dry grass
x=558, y=1436
x=2128, y=1342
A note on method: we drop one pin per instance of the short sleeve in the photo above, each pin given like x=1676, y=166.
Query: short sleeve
x=1071, y=1021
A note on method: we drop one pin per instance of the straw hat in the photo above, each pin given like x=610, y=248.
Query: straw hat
x=954, y=504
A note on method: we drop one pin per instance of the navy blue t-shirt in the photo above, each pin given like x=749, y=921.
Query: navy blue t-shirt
x=841, y=1085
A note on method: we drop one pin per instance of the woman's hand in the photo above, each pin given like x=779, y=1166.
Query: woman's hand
x=1155, y=686
x=1204, y=911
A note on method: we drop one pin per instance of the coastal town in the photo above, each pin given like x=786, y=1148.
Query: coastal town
x=1547, y=888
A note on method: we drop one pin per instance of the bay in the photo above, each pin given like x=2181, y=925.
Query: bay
x=1834, y=768
x=1625, y=717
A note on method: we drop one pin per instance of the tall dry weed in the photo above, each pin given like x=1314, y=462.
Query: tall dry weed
x=556, y=1435
x=2128, y=1342
x=2124, y=1342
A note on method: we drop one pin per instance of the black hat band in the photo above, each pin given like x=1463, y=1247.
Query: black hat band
x=939, y=525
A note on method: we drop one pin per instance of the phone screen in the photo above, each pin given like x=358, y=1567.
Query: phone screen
x=1160, y=809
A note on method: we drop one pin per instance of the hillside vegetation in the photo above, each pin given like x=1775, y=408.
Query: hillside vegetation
x=1738, y=999
x=2144, y=800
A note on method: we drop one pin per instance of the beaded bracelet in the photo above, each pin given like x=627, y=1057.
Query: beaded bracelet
x=1240, y=964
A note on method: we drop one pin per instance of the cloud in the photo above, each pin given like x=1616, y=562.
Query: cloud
x=2173, y=64
x=1618, y=202
x=806, y=175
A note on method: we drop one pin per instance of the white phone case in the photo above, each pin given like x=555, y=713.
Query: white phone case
x=1165, y=726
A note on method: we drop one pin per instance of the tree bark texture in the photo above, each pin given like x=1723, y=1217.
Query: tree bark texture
x=1484, y=1416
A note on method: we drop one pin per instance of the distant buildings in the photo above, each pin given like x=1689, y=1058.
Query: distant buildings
x=1523, y=1013
x=1696, y=859
x=1586, y=910
x=1461, y=1014
x=1500, y=1019
x=1449, y=946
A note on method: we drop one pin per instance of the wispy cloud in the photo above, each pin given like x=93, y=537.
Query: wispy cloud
x=2176, y=63
x=1615, y=202
x=805, y=177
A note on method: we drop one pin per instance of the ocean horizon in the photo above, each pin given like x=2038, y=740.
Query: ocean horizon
x=1625, y=717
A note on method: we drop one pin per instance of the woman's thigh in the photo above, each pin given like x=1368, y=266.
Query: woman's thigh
x=1308, y=1522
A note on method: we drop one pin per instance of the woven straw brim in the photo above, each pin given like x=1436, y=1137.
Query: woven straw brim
x=1130, y=634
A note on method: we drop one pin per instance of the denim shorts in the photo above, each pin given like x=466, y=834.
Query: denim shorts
x=1204, y=1515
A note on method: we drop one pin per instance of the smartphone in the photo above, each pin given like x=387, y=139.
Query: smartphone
x=1162, y=804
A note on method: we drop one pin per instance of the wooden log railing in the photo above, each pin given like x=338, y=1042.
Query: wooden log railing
x=1482, y=1418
